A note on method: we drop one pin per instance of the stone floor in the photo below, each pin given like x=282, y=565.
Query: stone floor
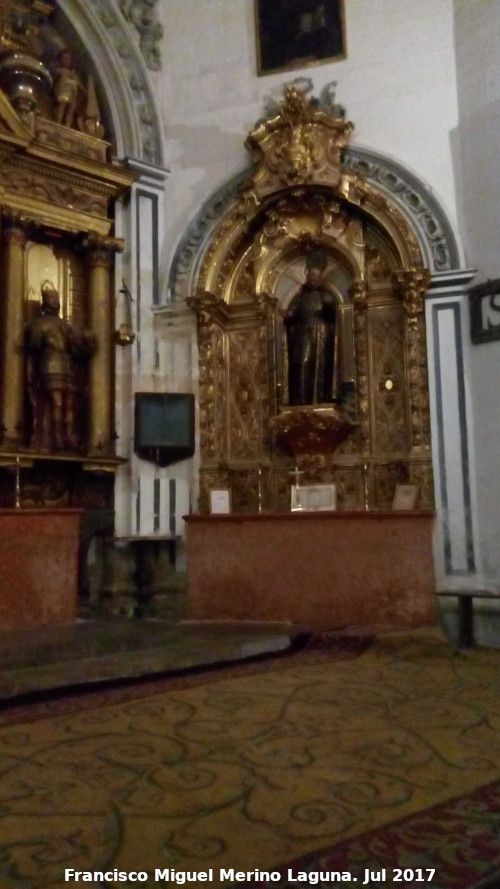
x=109, y=648
x=103, y=649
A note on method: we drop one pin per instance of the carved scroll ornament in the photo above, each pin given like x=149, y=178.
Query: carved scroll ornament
x=300, y=145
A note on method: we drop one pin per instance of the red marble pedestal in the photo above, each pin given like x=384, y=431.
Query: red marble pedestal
x=38, y=567
x=319, y=569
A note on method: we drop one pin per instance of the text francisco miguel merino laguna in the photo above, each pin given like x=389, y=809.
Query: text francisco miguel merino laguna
x=170, y=875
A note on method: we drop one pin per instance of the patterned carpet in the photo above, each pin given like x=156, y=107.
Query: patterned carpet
x=344, y=757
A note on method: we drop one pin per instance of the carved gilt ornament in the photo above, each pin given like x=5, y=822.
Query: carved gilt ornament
x=299, y=145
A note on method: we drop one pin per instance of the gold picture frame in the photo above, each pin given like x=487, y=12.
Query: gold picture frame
x=298, y=33
x=220, y=501
x=405, y=497
x=313, y=498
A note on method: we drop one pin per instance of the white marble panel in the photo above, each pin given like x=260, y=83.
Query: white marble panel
x=457, y=547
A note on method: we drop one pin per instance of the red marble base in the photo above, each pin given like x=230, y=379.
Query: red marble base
x=322, y=569
x=38, y=567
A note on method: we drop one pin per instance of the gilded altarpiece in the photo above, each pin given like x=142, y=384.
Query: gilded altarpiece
x=57, y=192
x=301, y=201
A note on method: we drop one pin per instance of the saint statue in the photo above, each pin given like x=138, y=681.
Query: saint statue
x=66, y=88
x=310, y=324
x=56, y=369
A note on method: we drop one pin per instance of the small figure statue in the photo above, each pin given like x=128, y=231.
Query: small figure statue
x=310, y=337
x=56, y=358
x=66, y=87
x=90, y=120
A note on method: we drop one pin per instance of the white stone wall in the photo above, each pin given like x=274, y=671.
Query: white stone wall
x=397, y=83
x=477, y=33
x=398, y=86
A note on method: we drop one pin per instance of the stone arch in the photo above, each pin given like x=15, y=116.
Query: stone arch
x=109, y=42
x=410, y=195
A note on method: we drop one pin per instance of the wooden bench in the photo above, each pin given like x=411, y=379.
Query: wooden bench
x=466, y=612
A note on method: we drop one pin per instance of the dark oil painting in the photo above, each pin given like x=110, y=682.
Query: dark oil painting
x=298, y=33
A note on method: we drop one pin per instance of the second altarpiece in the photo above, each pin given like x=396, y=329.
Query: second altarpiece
x=300, y=203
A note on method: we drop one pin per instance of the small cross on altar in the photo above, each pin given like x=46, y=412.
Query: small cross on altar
x=296, y=475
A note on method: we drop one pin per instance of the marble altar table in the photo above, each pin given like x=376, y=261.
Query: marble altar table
x=318, y=569
x=38, y=567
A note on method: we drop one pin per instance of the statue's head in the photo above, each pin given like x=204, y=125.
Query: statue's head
x=65, y=59
x=315, y=266
x=50, y=298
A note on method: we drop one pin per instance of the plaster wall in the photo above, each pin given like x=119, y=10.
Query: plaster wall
x=397, y=84
x=477, y=36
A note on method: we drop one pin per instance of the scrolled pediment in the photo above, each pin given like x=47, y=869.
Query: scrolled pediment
x=300, y=145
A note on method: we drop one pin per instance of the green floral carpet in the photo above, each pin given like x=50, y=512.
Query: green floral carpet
x=300, y=758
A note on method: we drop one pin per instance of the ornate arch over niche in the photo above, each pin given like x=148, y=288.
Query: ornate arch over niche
x=415, y=200
x=302, y=198
x=119, y=66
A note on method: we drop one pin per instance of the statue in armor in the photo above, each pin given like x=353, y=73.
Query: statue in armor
x=56, y=369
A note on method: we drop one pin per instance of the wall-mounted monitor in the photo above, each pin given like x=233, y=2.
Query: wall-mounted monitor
x=164, y=427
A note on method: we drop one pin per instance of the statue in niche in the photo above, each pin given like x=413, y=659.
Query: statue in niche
x=57, y=356
x=89, y=121
x=66, y=87
x=310, y=326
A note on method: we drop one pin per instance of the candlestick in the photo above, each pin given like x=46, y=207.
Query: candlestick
x=366, y=491
x=18, y=484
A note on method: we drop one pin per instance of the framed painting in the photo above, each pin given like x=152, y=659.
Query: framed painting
x=220, y=502
x=313, y=498
x=298, y=33
x=405, y=497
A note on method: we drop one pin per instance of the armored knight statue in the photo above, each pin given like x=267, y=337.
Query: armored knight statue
x=56, y=369
x=310, y=325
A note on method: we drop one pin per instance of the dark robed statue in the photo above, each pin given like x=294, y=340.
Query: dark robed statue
x=310, y=337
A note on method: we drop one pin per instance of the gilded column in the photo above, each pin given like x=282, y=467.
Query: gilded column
x=100, y=264
x=212, y=390
x=412, y=284
x=360, y=306
x=12, y=356
x=361, y=363
x=212, y=377
x=268, y=381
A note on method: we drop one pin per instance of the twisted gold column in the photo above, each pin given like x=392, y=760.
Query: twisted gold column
x=100, y=262
x=11, y=353
x=412, y=284
x=360, y=306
